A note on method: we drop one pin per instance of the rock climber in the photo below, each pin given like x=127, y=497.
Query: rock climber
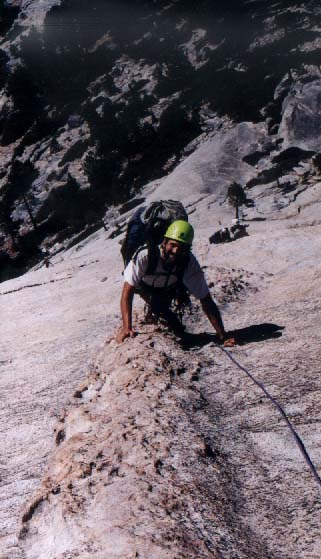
x=157, y=283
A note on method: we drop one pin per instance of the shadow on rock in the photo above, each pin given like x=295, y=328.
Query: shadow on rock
x=257, y=333
x=254, y=333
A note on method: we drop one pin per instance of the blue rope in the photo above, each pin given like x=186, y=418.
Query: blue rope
x=297, y=439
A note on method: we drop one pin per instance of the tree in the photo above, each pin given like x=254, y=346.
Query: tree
x=236, y=197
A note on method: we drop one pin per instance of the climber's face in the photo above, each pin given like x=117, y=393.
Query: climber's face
x=173, y=250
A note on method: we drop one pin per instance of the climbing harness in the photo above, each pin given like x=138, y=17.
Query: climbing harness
x=298, y=440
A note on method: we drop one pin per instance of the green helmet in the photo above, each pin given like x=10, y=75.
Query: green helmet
x=181, y=231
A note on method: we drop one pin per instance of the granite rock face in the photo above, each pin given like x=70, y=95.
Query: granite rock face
x=90, y=111
x=153, y=448
x=170, y=451
x=301, y=119
x=156, y=449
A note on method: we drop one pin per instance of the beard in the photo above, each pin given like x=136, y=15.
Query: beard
x=171, y=260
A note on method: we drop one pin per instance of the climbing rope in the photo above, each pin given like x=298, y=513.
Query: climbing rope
x=298, y=440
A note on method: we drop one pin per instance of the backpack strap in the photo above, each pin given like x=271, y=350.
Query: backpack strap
x=180, y=270
x=152, y=260
x=152, y=256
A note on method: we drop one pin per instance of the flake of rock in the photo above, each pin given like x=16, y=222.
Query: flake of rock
x=301, y=120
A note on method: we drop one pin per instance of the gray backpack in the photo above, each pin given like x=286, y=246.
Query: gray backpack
x=149, y=224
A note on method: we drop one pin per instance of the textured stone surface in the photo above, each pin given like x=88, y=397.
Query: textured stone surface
x=217, y=163
x=68, y=309
x=301, y=120
x=165, y=451
x=151, y=449
x=91, y=111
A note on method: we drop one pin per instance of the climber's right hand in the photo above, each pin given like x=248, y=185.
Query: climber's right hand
x=123, y=334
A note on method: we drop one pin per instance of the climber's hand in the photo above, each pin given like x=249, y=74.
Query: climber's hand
x=123, y=334
x=229, y=342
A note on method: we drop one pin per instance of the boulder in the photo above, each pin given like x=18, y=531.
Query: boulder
x=301, y=117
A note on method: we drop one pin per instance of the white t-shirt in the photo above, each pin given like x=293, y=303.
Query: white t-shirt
x=193, y=277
